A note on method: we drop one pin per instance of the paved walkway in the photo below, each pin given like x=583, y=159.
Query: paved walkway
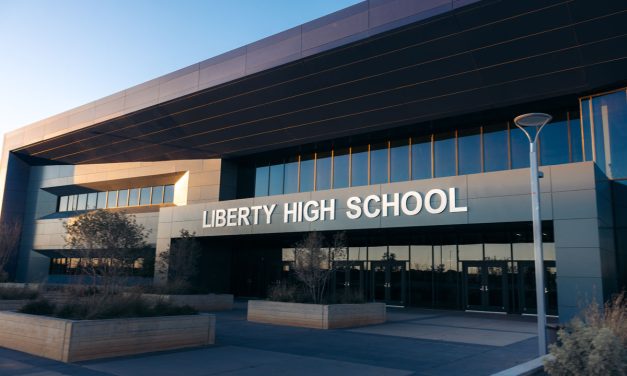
x=412, y=342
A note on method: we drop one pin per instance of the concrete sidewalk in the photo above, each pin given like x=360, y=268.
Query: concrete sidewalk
x=412, y=342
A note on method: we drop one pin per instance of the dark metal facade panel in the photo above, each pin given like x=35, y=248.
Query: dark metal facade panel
x=486, y=56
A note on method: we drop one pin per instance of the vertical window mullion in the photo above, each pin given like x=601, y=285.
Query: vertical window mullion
x=432, y=155
x=482, y=167
x=456, y=153
x=368, y=159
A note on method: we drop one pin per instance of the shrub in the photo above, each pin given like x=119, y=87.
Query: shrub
x=17, y=293
x=114, y=306
x=594, y=343
x=38, y=307
x=283, y=292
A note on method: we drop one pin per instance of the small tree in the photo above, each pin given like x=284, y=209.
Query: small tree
x=9, y=239
x=108, y=243
x=312, y=262
x=180, y=261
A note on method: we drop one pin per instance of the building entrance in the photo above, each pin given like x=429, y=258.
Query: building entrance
x=389, y=281
x=485, y=285
x=349, y=280
x=527, y=287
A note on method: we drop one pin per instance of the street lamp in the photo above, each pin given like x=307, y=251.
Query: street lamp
x=538, y=121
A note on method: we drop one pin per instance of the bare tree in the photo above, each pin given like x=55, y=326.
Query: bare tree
x=9, y=238
x=108, y=243
x=180, y=261
x=312, y=262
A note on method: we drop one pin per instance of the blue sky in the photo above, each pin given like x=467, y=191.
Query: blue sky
x=59, y=54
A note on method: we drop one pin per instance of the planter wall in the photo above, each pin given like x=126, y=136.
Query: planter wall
x=318, y=316
x=71, y=341
x=203, y=303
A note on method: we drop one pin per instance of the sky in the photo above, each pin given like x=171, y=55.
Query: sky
x=59, y=54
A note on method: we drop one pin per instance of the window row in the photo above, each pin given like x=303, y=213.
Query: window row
x=159, y=194
x=459, y=152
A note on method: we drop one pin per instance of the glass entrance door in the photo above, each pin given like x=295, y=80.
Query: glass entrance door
x=348, y=281
x=527, y=287
x=485, y=285
x=389, y=281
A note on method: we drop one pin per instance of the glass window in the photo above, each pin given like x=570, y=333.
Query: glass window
x=470, y=252
x=81, y=203
x=359, y=166
x=157, y=195
x=168, y=194
x=469, y=149
x=585, y=123
x=495, y=150
x=144, y=196
x=102, y=200
x=262, y=175
x=92, y=200
x=71, y=203
x=421, y=158
x=63, y=203
x=379, y=163
x=520, y=148
x=444, y=154
x=377, y=253
x=307, y=173
x=610, y=132
x=421, y=257
x=398, y=252
x=133, y=197
x=357, y=253
x=340, y=168
x=323, y=171
x=498, y=251
x=122, y=198
x=575, y=138
x=290, y=178
x=276, y=179
x=399, y=160
x=554, y=143
x=112, y=199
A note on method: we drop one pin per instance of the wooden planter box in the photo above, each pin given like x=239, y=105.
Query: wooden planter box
x=12, y=305
x=73, y=340
x=203, y=303
x=318, y=316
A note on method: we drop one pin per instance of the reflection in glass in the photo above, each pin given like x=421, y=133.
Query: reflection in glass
x=307, y=173
x=112, y=199
x=421, y=158
x=340, y=168
x=399, y=161
x=421, y=276
x=498, y=252
x=323, y=171
x=357, y=253
x=495, y=149
x=470, y=252
x=469, y=146
x=610, y=122
x=63, y=203
x=575, y=138
x=379, y=163
x=144, y=196
x=377, y=253
x=157, y=195
x=359, y=166
x=102, y=200
x=287, y=254
x=92, y=199
x=262, y=176
x=444, y=154
x=398, y=252
x=290, y=182
x=554, y=143
x=168, y=194
x=586, y=125
x=276, y=179
x=520, y=148
x=81, y=204
x=133, y=196
x=122, y=198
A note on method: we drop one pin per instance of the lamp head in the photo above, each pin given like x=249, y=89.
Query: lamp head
x=534, y=119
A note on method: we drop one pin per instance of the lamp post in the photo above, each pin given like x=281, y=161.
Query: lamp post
x=538, y=121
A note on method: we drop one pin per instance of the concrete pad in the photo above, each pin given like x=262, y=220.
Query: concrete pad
x=230, y=360
x=483, y=323
x=450, y=334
